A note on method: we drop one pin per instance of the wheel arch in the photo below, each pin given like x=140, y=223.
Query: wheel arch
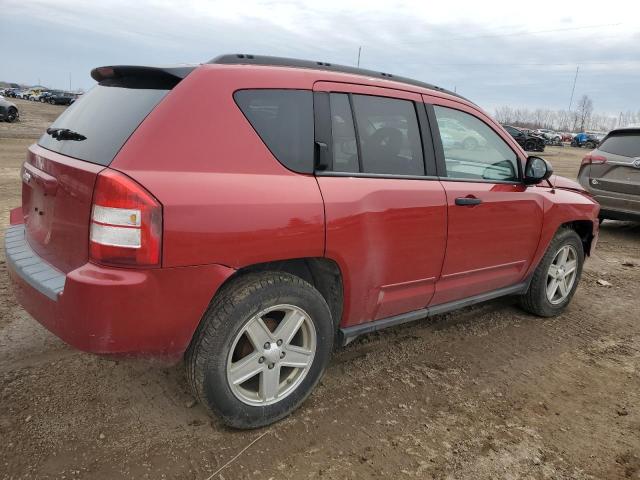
x=584, y=229
x=324, y=274
x=579, y=217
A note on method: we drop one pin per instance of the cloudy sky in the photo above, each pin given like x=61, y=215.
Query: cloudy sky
x=519, y=53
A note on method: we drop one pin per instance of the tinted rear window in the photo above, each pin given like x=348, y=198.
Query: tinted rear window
x=626, y=144
x=106, y=116
x=284, y=121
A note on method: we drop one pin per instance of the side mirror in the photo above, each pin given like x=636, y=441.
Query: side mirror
x=536, y=170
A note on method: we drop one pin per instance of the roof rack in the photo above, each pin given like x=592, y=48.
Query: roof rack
x=248, y=59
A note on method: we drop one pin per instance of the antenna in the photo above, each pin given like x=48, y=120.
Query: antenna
x=359, y=52
x=575, y=79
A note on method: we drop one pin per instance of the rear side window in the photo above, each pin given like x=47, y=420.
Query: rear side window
x=343, y=134
x=388, y=134
x=106, y=116
x=625, y=144
x=284, y=121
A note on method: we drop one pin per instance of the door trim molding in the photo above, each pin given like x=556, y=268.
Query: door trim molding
x=485, y=269
x=349, y=334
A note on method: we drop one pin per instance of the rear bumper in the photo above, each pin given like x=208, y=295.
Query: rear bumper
x=614, y=205
x=121, y=311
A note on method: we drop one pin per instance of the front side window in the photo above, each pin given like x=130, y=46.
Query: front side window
x=284, y=121
x=472, y=150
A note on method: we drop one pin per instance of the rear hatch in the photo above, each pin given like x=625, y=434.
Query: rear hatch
x=60, y=172
x=620, y=172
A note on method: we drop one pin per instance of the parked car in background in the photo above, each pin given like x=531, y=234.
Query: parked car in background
x=10, y=92
x=8, y=110
x=38, y=97
x=531, y=143
x=32, y=93
x=456, y=135
x=294, y=206
x=585, y=140
x=554, y=138
x=60, y=98
x=567, y=137
x=611, y=173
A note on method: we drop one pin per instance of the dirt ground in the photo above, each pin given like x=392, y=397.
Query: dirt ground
x=488, y=392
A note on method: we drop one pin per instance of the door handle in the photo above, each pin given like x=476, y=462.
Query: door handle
x=468, y=201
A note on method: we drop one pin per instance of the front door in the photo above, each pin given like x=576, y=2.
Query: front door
x=494, y=220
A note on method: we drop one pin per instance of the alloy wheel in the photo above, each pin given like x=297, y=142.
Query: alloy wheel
x=562, y=274
x=271, y=355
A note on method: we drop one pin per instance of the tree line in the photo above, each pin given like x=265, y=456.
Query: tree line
x=582, y=118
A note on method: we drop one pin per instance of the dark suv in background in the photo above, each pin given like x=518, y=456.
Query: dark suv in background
x=531, y=143
x=611, y=173
x=58, y=98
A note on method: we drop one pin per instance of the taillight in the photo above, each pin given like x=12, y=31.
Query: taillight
x=593, y=159
x=126, y=223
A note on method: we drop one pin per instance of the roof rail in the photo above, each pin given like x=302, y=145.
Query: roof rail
x=248, y=59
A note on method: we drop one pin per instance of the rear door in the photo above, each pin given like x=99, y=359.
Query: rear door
x=60, y=171
x=385, y=210
x=494, y=221
x=620, y=173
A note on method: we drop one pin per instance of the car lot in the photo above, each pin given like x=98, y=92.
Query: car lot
x=487, y=392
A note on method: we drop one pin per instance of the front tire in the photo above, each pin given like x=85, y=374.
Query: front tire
x=12, y=114
x=261, y=348
x=555, y=280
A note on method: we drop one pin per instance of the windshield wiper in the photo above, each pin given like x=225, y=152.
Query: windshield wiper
x=65, y=134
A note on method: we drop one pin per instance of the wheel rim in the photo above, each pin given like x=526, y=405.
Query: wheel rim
x=562, y=274
x=12, y=115
x=271, y=355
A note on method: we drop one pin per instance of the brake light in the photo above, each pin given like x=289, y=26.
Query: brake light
x=126, y=223
x=593, y=159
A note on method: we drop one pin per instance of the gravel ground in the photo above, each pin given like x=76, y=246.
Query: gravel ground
x=487, y=392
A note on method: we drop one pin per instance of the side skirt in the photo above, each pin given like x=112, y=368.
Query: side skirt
x=351, y=333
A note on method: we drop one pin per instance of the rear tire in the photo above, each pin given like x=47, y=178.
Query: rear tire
x=541, y=298
x=240, y=348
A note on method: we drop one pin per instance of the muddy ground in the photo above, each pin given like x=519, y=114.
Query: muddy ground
x=488, y=392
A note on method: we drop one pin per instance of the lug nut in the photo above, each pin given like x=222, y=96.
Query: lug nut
x=267, y=346
x=271, y=366
x=282, y=354
x=261, y=360
x=279, y=342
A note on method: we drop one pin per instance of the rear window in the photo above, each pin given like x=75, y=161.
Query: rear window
x=106, y=116
x=284, y=121
x=625, y=144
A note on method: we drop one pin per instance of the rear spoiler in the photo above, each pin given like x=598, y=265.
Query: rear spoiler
x=133, y=76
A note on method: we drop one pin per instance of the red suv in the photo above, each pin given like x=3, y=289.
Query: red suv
x=250, y=213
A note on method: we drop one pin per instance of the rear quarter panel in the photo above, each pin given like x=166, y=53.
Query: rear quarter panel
x=225, y=198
